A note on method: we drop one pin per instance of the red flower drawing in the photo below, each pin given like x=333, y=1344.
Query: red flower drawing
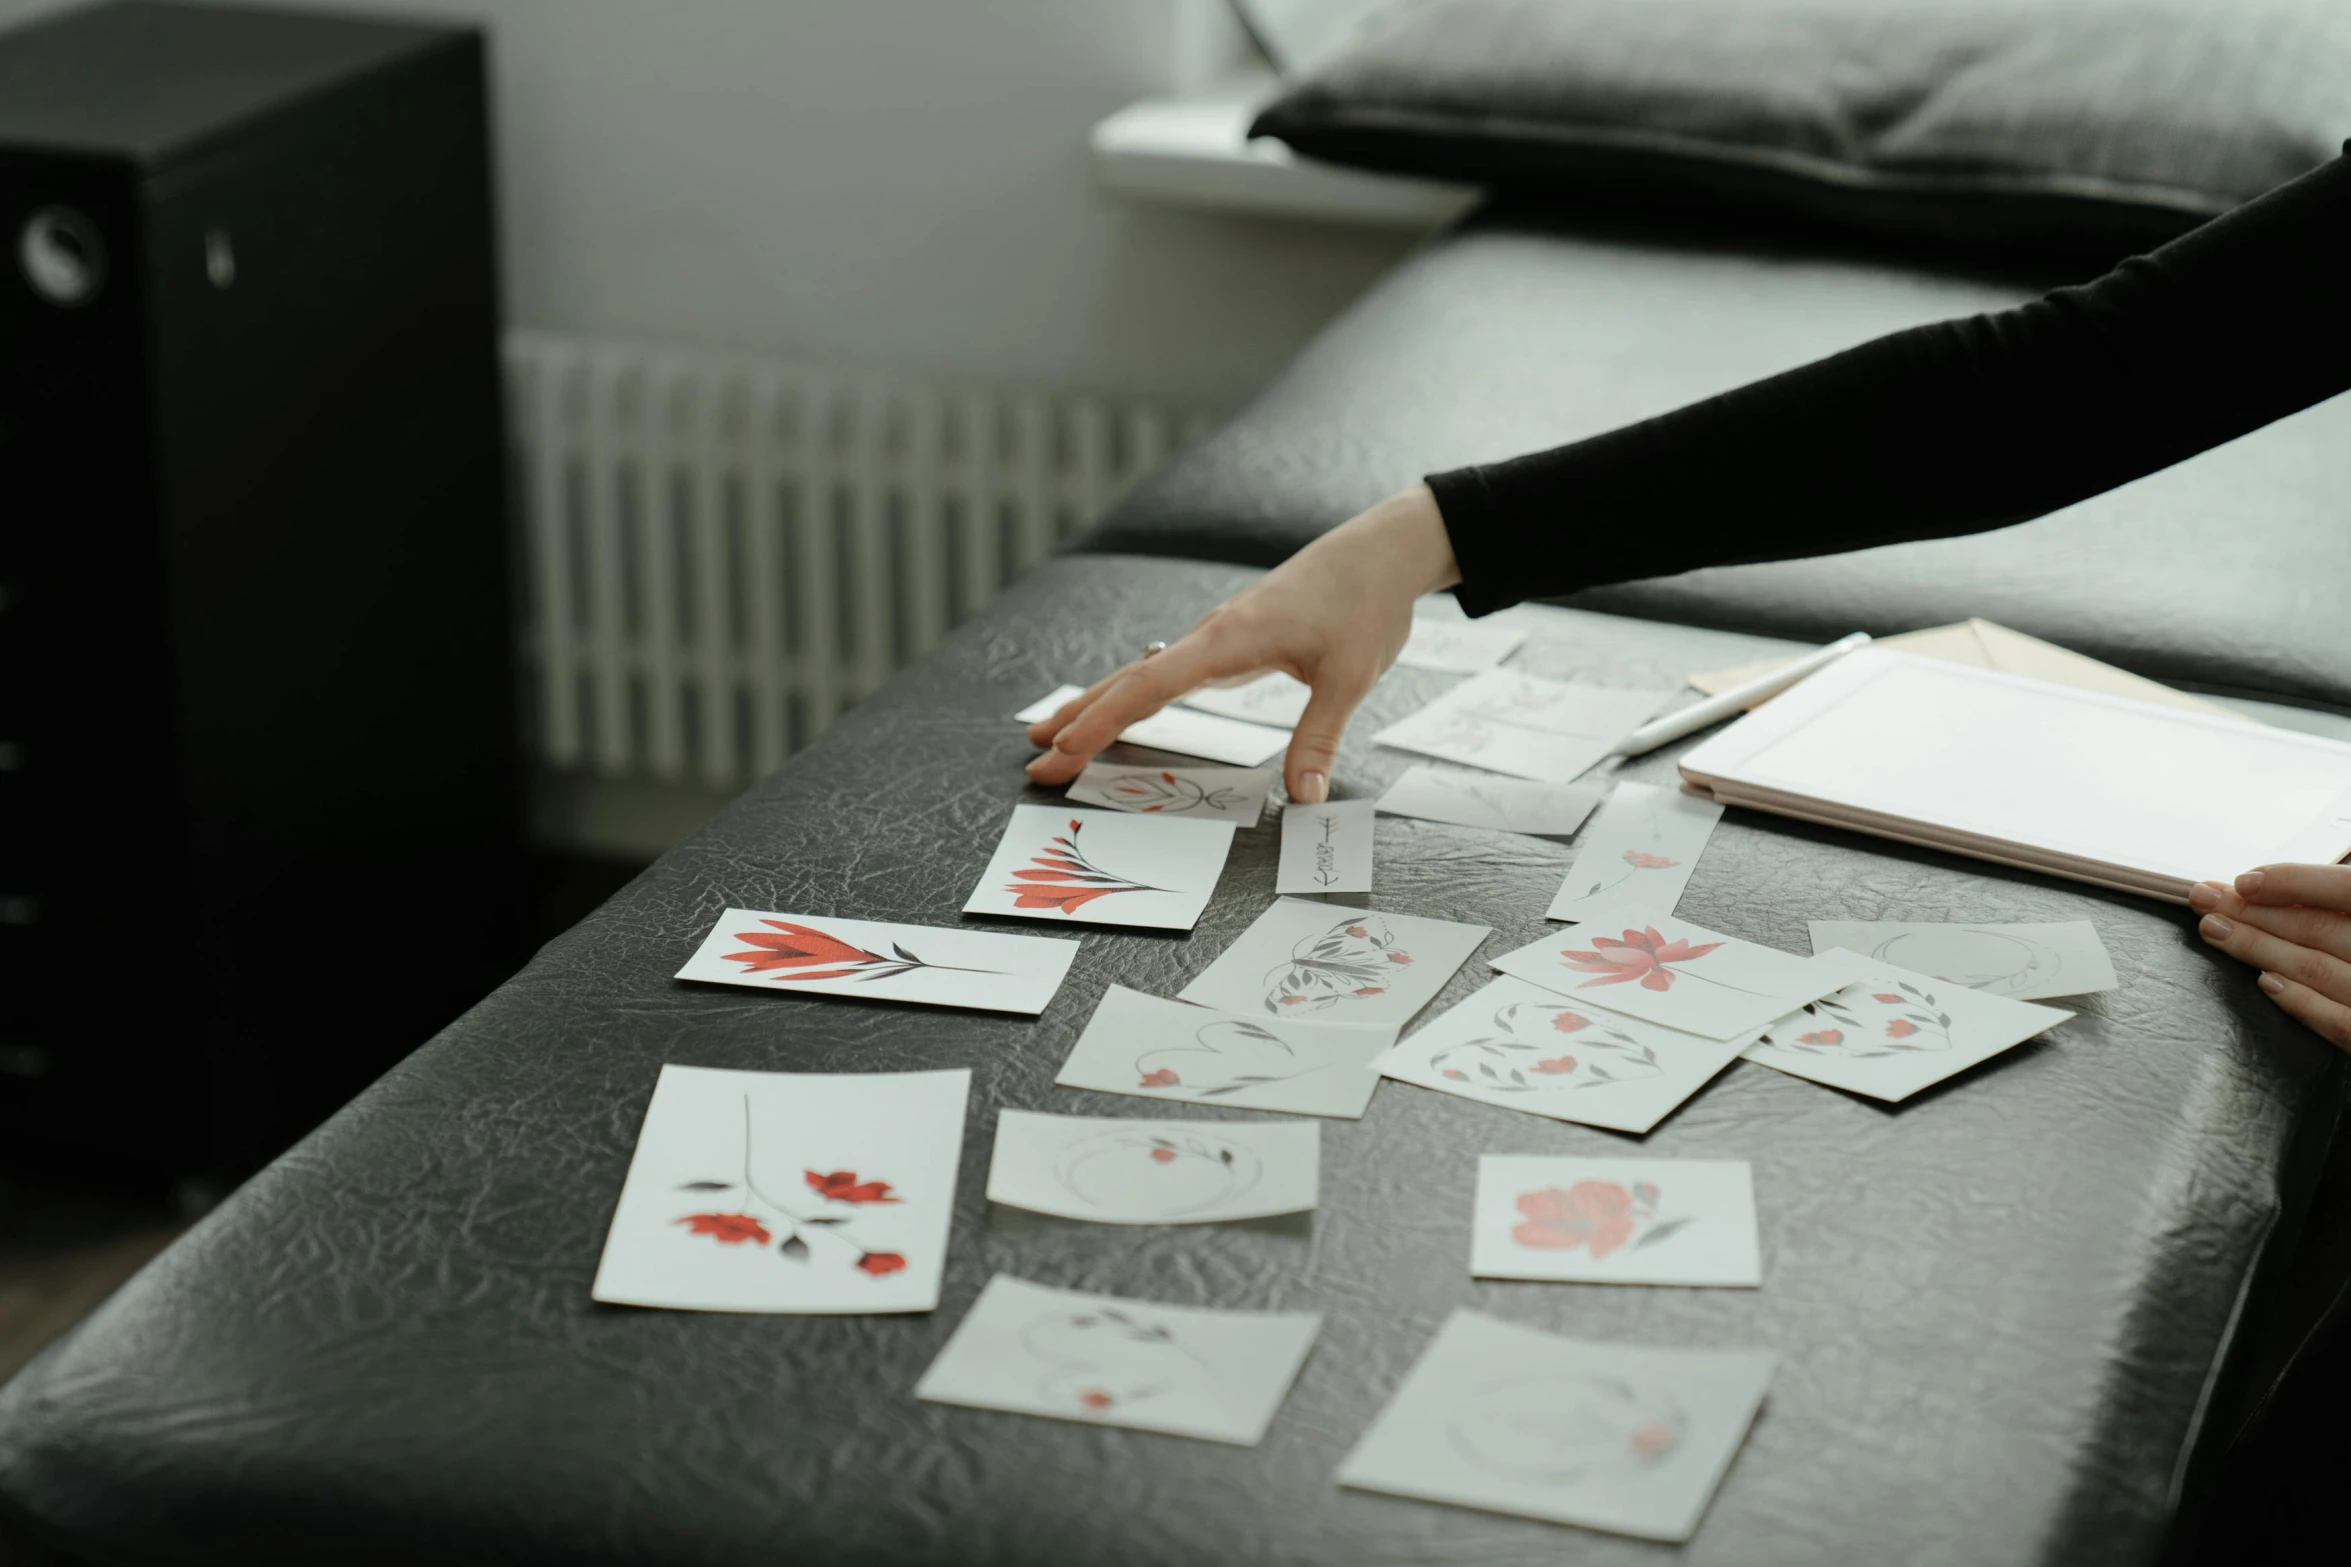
x=1163, y=1156
x=1399, y=957
x=802, y=947
x=1648, y=862
x=1095, y=1398
x=1901, y=1028
x=1556, y=1066
x=1061, y=877
x=728, y=1229
x=1654, y=1438
x=1164, y=1077
x=1458, y=1077
x=1291, y=1001
x=844, y=1186
x=1373, y=990
x=1887, y=996
x=1822, y=1036
x=1596, y=1215
x=1642, y=955
x=1567, y=1022
x=877, y=1263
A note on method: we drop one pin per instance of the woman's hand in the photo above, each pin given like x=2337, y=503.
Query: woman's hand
x=2293, y=922
x=1334, y=615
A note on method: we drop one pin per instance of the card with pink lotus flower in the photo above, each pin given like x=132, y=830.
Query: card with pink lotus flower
x=1891, y=1032
x=1522, y=1047
x=1667, y=970
x=873, y=960
x=1616, y=1221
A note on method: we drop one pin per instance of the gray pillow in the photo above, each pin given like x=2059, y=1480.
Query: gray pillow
x=2019, y=124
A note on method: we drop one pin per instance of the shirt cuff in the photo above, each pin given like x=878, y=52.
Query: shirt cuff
x=1473, y=521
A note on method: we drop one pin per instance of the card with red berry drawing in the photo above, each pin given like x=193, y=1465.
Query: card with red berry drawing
x=1616, y=1221
x=1520, y=1046
x=1892, y=1032
x=1217, y=794
x=1667, y=970
x=1154, y=1172
x=1183, y=1370
x=1102, y=868
x=928, y=964
x=1637, y=853
x=1159, y=1049
x=1335, y=965
x=1607, y=1436
x=788, y=1192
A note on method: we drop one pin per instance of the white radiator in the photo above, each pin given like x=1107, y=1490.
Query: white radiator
x=722, y=553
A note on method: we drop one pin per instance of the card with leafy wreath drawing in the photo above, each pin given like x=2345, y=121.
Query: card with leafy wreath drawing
x=931, y=965
x=1892, y=1032
x=1102, y=868
x=788, y=1192
x=1218, y=794
x=1616, y=1221
x=1154, y=1172
x=1326, y=963
x=1159, y=1049
x=1669, y=971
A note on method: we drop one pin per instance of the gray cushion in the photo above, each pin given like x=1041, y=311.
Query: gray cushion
x=2048, y=124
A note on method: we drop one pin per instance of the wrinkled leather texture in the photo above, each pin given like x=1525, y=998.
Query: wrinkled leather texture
x=2000, y=1306
x=1524, y=332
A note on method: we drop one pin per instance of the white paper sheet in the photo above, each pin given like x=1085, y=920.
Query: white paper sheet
x=1158, y=1049
x=1103, y=868
x=1891, y=1033
x=1616, y=1221
x=1512, y=1420
x=1520, y=1046
x=1670, y=971
x=1467, y=799
x=928, y=964
x=788, y=1192
x=1273, y=699
x=1215, y=1375
x=1529, y=727
x=1153, y=1172
x=1223, y=794
x=1638, y=853
x=1326, y=848
x=1459, y=647
x=2021, y=962
x=1182, y=731
x=1311, y=960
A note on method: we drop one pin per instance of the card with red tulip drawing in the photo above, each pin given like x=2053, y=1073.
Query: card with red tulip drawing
x=1326, y=848
x=1637, y=853
x=1217, y=794
x=1891, y=1032
x=1524, y=725
x=1218, y=1376
x=1520, y=1046
x=1616, y=1221
x=1312, y=961
x=1154, y=1172
x=1667, y=970
x=937, y=966
x=1102, y=868
x=1160, y=1049
x=788, y=1192
x=1509, y=1419
x=1208, y=736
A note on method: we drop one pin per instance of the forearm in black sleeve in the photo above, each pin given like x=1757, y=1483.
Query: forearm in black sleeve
x=1945, y=429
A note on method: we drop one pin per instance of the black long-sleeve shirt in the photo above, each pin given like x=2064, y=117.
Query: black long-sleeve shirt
x=1946, y=429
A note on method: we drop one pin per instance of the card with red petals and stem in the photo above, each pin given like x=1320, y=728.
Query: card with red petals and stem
x=788, y=1192
x=1335, y=965
x=1102, y=868
x=1892, y=1032
x=1154, y=1172
x=1160, y=1049
x=1520, y=1046
x=1667, y=970
x=1215, y=1375
x=1615, y=1221
x=936, y=966
x=1637, y=853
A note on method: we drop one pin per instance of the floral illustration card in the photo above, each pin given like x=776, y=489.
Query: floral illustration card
x=1616, y=1221
x=1891, y=1032
x=1608, y=1436
x=1154, y=1172
x=1335, y=965
x=1273, y=698
x=2021, y=962
x=788, y=1192
x=1459, y=647
x=1177, y=729
x=1444, y=794
x=1215, y=1375
x=1638, y=853
x=1524, y=725
x=1520, y=1046
x=1326, y=848
x=1102, y=868
x=1159, y=1049
x=933, y=965
x=1217, y=794
x=1670, y=971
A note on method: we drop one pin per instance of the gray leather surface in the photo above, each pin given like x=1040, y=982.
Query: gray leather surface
x=2001, y=1306
x=2228, y=572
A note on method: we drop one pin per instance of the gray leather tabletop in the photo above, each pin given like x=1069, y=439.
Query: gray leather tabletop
x=1524, y=331
x=2004, y=1308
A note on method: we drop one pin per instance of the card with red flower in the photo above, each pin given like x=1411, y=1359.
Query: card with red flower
x=1616, y=1221
x=1159, y=1049
x=1068, y=1355
x=1524, y=725
x=1637, y=853
x=1669, y=971
x=1216, y=794
x=1102, y=868
x=1891, y=1032
x=1607, y=1436
x=1154, y=1172
x=1520, y=1046
x=931, y=965
x=1310, y=960
x=788, y=1192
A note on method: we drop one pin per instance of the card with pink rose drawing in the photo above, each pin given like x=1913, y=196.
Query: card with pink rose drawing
x=1891, y=1032
x=1616, y=1221
x=931, y=965
x=1669, y=971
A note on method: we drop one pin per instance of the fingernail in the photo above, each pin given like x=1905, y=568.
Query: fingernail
x=2204, y=895
x=2215, y=928
x=2249, y=883
x=1313, y=788
x=1064, y=735
x=2274, y=985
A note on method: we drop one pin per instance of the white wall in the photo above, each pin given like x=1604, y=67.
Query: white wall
x=894, y=183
